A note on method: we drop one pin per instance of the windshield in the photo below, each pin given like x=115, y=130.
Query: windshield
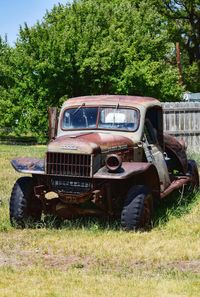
x=113, y=118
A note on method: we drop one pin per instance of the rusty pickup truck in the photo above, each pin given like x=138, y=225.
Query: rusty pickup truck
x=107, y=157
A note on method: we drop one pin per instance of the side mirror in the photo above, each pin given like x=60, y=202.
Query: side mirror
x=53, y=122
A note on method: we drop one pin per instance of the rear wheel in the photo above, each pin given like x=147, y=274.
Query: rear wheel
x=193, y=171
x=24, y=206
x=138, y=209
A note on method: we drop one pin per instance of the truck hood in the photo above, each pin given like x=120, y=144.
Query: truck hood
x=89, y=143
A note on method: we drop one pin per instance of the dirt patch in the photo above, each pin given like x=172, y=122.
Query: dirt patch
x=182, y=266
x=65, y=262
x=49, y=260
x=31, y=258
x=8, y=261
x=185, y=266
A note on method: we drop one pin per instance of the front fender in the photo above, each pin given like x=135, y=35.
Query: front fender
x=29, y=165
x=127, y=170
x=144, y=173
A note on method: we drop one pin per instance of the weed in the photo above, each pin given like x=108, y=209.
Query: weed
x=175, y=206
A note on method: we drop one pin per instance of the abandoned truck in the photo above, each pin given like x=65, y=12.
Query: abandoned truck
x=107, y=157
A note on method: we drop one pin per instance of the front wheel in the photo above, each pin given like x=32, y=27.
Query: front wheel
x=24, y=206
x=138, y=209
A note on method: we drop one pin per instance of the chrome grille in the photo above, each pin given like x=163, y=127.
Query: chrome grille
x=69, y=164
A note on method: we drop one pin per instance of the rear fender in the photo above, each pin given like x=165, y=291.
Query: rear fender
x=29, y=165
x=176, y=151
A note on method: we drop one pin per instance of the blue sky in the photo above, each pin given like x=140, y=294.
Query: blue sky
x=14, y=13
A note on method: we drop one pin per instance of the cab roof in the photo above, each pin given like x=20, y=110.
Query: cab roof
x=107, y=100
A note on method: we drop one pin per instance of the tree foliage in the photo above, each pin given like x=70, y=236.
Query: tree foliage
x=7, y=84
x=183, y=17
x=95, y=47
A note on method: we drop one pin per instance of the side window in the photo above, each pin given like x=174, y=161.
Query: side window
x=155, y=116
x=150, y=132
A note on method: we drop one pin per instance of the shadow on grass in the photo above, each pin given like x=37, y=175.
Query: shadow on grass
x=175, y=205
x=20, y=140
x=87, y=223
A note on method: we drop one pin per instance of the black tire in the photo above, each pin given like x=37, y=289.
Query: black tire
x=24, y=206
x=193, y=171
x=138, y=209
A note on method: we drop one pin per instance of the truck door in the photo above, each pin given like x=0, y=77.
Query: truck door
x=154, y=154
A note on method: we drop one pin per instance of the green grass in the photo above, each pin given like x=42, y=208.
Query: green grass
x=90, y=257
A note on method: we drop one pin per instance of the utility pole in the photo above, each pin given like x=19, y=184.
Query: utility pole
x=178, y=61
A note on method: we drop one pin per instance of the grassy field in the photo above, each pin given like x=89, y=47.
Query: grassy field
x=94, y=258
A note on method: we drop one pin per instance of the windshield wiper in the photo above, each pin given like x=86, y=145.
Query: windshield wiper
x=85, y=117
x=78, y=108
x=116, y=108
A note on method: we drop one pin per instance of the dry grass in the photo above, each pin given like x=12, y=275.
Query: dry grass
x=40, y=282
x=91, y=258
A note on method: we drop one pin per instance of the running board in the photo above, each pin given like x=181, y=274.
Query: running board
x=175, y=185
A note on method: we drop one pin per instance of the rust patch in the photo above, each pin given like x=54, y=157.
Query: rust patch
x=90, y=143
x=28, y=164
x=112, y=100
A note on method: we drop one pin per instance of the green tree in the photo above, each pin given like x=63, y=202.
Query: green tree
x=7, y=83
x=87, y=47
x=183, y=17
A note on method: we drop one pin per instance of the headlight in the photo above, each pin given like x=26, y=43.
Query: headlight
x=113, y=163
